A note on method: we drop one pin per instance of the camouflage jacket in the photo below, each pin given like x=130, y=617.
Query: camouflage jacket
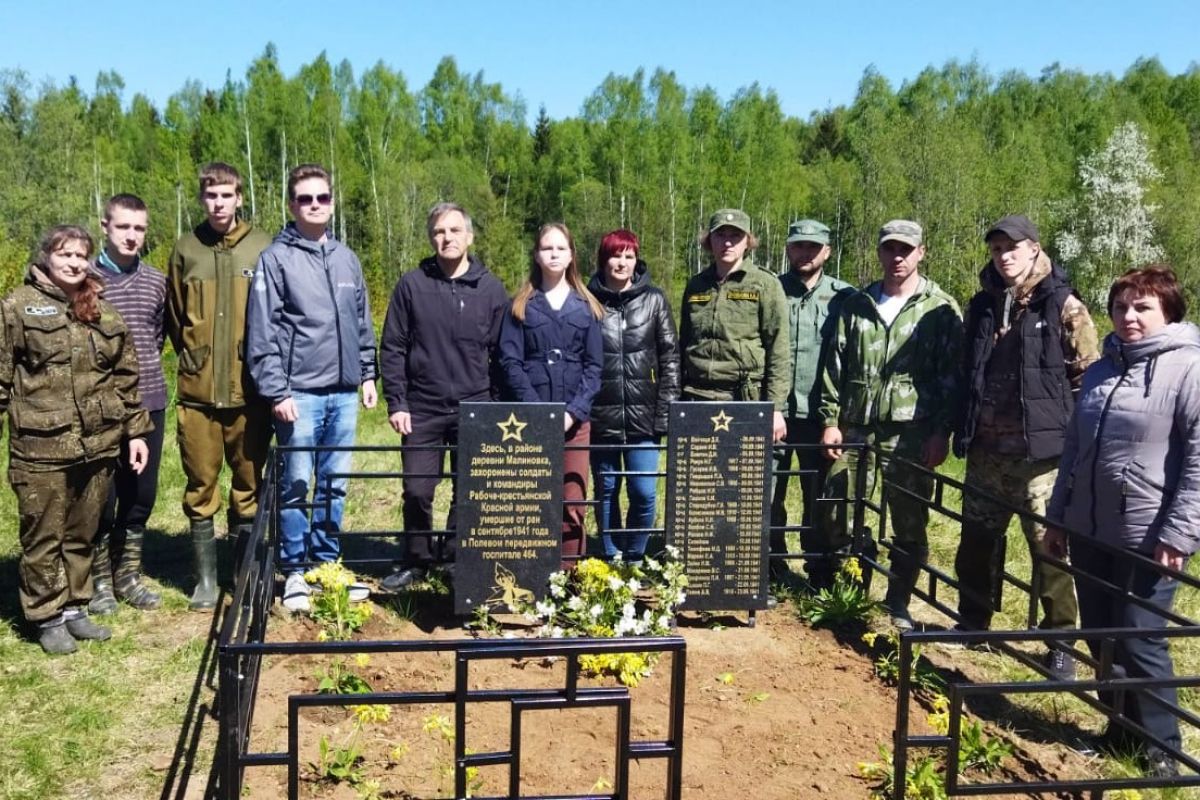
x=904, y=372
x=812, y=319
x=69, y=387
x=208, y=283
x=733, y=337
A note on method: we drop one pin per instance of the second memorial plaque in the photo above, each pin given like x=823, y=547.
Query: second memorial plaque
x=718, y=501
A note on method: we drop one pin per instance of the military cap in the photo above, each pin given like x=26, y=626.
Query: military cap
x=901, y=230
x=808, y=230
x=733, y=217
x=1017, y=227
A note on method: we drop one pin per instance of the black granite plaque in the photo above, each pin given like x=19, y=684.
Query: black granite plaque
x=718, y=501
x=509, y=518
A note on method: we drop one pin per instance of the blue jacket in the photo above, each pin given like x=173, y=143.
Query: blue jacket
x=553, y=357
x=308, y=324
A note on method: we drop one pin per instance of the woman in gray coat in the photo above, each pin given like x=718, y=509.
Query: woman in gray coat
x=1130, y=477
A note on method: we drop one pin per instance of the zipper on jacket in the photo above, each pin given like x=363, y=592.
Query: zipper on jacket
x=621, y=352
x=337, y=315
x=1099, y=438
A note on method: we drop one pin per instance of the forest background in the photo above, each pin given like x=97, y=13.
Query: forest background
x=1107, y=166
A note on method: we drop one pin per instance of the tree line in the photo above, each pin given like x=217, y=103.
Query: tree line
x=1106, y=166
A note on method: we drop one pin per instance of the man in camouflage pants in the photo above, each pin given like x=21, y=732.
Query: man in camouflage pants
x=1029, y=340
x=892, y=380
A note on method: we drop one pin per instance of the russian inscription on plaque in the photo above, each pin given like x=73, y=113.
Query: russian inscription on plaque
x=718, y=501
x=509, y=518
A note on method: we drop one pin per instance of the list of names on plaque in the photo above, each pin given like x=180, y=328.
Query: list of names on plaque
x=718, y=503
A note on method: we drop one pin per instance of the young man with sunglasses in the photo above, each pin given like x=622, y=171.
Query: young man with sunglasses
x=219, y=417
x=310, y=347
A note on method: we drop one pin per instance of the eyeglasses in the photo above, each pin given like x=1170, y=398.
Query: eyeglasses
x=325, y=198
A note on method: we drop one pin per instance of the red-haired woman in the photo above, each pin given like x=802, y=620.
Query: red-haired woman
x=551, y=352
x=1130, y=478
x=640, y=379
x=68, y=380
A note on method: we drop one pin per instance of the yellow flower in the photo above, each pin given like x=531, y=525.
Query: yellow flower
x=398, y=752
x=322, y=636
x=869, y=638
x=331, y=576
x=362, y=660
x=367, y=714
x=852, y=569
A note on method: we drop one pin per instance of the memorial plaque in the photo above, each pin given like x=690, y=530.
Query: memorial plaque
x=718, y=501
x=509, y=519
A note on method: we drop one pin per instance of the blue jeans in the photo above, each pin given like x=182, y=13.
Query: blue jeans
x=642, y=456
x=325, y=419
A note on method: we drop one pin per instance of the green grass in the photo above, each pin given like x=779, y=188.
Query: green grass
x=106, y=721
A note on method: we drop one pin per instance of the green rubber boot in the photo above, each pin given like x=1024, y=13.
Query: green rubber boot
x=204, y=545
x=103, y=600
x=128, y=578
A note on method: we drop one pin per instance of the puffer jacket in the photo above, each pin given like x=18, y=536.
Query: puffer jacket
x=208, y=281
x=641, y=361
x=1130, y=469
x=308, y=323
x=69, y=387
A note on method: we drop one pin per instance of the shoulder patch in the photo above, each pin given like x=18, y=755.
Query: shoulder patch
x=41, y=311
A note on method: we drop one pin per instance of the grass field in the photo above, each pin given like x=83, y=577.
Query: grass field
x=99, y=723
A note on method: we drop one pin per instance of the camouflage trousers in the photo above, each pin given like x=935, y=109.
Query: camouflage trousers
x=238, y=436
x=908, y=515
x=59, y=511
x=981, y=550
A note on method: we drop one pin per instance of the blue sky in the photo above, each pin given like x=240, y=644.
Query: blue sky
x=557, y=53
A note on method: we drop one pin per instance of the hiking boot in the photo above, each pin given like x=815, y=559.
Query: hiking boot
x=1060, y=664
x=1159, y=764
x=128, y=577
x=103, y=600
x=56, y=640
x=204, y=548
x=80, y=627
x=402, y=579
x=295, y=593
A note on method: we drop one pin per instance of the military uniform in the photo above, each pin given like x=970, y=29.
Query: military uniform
x=1013, y=450
x=219, y=416
x=894, y=386
x=734, y=338
x=70, y=390
x=812, y=319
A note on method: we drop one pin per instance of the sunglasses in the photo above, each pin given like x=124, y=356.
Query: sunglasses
x=324, y=199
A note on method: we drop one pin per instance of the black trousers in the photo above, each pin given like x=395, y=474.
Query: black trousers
x=1142, y=657
x=431, y=430
x=800, y=431
x=131, y=498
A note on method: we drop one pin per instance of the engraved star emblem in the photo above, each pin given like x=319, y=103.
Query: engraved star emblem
x=511, y=428
x=721, y=421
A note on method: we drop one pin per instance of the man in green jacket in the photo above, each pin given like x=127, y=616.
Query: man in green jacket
x=814, y=300
x=892, y=379
x=733, y=334
x=220, y=417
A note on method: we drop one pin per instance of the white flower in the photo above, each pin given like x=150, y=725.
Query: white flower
x=672, y=551
x=618, y=558
x=651, y=565
x=575, y=603
x=559, y=577
x=640, y=628
x=664, y=622
x=556, y=632
x=595, y=611
x=628, y=611
x=634, y=584
x=543, y=632
x=530, y=617
x=615, y=583
x=556, y=590
x=680, y=597
x=545, y=609
x=624, y=625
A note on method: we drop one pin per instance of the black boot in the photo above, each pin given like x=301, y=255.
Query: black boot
x=906, y=568
x=55, y=639
x=204, y=545
x=128, y=578
x=103, y=600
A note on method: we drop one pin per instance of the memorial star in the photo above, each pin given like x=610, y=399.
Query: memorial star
x=721, y=421
x=511, y=428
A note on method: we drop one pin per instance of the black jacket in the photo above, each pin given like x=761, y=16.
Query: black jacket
x=641, y=361
x=1045, y=387
x=439, y=339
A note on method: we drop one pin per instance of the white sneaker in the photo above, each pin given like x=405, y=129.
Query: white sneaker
x=295, y=593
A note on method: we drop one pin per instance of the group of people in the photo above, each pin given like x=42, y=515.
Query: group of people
x=274, y=338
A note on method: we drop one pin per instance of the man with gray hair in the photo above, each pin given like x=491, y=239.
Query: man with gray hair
x=437, y=350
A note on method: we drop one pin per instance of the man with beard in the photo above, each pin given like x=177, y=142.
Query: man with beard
x=814, y=300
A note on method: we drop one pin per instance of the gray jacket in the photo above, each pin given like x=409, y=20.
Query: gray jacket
x=308, y=323
x=1130, y=469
